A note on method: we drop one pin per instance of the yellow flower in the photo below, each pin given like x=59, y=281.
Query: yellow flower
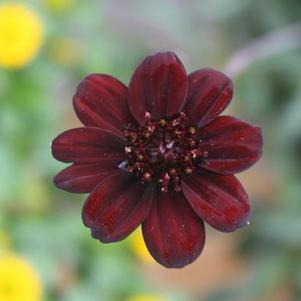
x=19, y=281
x=59, y=5
x=139, y=247
x=21, y=35
x=146, y=298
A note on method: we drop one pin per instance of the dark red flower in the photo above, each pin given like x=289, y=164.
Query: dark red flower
x=158, y=154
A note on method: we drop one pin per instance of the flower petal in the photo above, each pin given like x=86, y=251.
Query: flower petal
x=230, y=144
x=86, y=145
x=101, y=101
x=158, y=86
x=219, y=200
x=84, y=178
x=173, y=233
x=116, y=207
x=209, y=93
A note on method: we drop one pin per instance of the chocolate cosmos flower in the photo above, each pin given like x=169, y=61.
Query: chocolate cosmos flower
x=157, y=154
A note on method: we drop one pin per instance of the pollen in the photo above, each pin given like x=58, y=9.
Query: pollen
x=192, y=130
x=128, y=149
x=162, y=151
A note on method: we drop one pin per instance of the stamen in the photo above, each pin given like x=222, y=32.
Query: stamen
x=192, y=130
x=128, y=149
x=205, y=154
x=162, y=151
x=147, y=177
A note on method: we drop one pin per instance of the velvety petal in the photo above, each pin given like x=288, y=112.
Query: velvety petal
x=230, y=145
x=86, y=145
x=101, y=101
x=158, y=86
x=219, y=200
x=209, y=93
x=116, y=207
x=84, y=178
x=173, y=233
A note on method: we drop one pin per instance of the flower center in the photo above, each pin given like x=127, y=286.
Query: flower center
x=162, y=151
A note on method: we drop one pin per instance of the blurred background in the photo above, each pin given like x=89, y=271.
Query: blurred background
x=46, y=47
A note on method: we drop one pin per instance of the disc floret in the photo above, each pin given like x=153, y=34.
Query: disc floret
x=162, y=151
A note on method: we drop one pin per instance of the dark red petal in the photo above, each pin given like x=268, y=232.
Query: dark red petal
x=116, y=207
x=158, y=86
x=230, y=145
x=86, y=145
x=209, y=93
x=84, y=178
x=219, y=200
x=173, y=233
x=101, y=101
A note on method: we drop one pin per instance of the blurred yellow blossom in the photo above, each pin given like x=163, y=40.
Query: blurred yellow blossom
x=21, y=35
x=59, y=5
x=139, y=247
x=19, y=281
x=146, y=298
